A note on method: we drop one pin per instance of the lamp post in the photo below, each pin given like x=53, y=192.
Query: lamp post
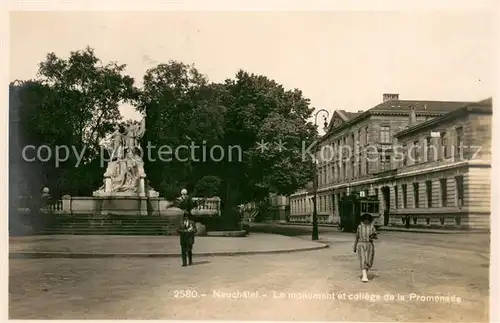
x=315, y=235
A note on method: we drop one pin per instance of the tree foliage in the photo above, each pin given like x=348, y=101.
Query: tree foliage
x=73, y=102
x=182, y=107
x=208, y=186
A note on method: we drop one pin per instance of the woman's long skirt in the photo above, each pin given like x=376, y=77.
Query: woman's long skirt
x=366, y=253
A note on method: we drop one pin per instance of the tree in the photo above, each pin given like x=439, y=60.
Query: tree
x=208, y=186
x=182, y=106
x=73, y=102
x=261, y=110
x=181, y=111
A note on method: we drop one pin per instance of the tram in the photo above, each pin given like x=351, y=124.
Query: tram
x=353, y=206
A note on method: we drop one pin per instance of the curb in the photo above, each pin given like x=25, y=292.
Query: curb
x=228, y=234
x=432, y=231
x=39, y=255
x=383, y=228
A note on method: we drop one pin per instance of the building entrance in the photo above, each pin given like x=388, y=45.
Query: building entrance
x=386, y=196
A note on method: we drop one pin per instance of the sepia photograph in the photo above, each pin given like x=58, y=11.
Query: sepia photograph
x=273, y=164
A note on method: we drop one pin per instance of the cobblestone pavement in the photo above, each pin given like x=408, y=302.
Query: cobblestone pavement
x=158, y=288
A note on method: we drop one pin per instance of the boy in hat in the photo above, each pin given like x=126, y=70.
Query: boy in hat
x=364, y=246
x=187, y=231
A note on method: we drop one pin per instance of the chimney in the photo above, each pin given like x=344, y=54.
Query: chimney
x=390, y=97
x=413, y=116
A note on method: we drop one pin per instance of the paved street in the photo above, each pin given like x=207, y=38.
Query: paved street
x=158, y=288
x=158, y=246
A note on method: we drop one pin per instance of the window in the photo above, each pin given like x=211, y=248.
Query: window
x=372, y=207
x=459, y=180
x=344, y=175
x=428, y=146
x=385, y=162
x=444, y=192
x=405, y=196
x=459, y=145
x=367, y=135
x=444, y=145
x=359, y=168
x=376, y=192
x=359, y=137
x=352, y=168
x=353, y=141
x=416, y=152
x=405, y=155
x=416, y=199
x=367, y=166
x=385, y=134
x=396, y=197
x=428, y=189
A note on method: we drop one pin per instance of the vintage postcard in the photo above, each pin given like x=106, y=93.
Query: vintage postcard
x=268, y=162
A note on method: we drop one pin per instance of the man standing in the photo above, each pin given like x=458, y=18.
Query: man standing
x=187, y=231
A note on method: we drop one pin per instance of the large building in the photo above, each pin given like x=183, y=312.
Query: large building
x=406, y=153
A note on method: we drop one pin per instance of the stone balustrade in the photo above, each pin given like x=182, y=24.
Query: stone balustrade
x=88, y=205
x=208, y=206
x=55, y=207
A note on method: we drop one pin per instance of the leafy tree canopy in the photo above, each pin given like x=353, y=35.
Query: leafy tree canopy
x=73, y=102
x=200, y=135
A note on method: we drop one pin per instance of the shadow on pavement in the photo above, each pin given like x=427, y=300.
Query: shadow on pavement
x=196, y=263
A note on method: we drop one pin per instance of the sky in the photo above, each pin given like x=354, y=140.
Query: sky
x=340, y=60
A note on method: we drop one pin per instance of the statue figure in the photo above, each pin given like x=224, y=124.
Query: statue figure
x=113, y=143
x=133, y=134
x=125, y=170
x=130, y=169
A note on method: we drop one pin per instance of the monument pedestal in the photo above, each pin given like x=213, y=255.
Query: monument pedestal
x=119, y=204
x=122, y=205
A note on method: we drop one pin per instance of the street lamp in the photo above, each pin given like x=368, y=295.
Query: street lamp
x=315, y=234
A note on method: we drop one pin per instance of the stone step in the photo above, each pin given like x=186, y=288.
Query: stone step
x=127, y=233
x=112, y=225
x=108, y=229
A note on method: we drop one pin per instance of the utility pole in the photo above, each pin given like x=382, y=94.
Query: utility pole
x=315, y=233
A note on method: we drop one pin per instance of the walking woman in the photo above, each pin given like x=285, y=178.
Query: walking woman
x=364, y=246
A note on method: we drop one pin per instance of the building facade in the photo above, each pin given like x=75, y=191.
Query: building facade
x=369, y=151
x=446, y=178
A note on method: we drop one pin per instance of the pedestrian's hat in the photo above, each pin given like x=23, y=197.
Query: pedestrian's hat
x=367, y=216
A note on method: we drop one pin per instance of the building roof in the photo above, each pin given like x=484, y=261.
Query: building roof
x=488, y=101
x=348, y=115
x=393, y=107
x=484, y=106
x=421, y=107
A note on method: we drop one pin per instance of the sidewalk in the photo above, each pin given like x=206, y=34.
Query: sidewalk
x=96, y=246
x=383, y=228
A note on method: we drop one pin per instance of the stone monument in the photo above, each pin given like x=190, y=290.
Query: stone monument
x=125, y=189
